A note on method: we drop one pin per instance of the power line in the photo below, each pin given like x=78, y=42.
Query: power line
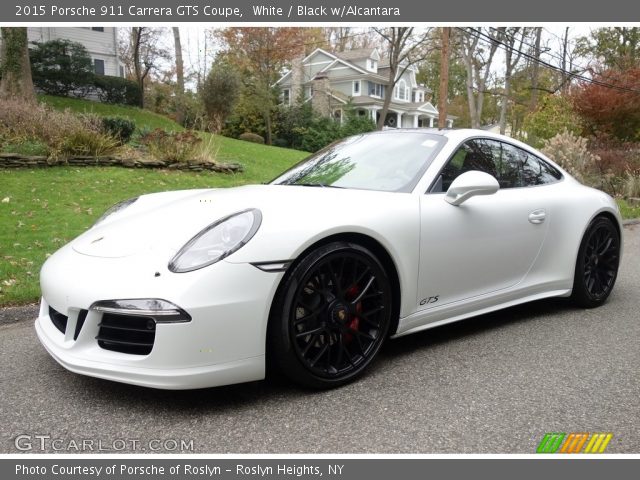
x=483, y=36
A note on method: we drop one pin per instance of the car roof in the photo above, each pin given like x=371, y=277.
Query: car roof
x=457, y=134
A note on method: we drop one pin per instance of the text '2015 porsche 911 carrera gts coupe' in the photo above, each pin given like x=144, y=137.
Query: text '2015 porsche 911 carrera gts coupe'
x=374, y=237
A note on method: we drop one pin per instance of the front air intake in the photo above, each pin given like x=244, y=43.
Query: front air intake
x=132, y=334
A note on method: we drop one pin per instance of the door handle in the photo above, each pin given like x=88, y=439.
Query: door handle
x=537, y=216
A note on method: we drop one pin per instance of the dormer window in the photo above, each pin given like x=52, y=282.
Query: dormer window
x=402, y=91
x=372, y=65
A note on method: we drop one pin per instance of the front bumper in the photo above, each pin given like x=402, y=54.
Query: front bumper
x=223, y=343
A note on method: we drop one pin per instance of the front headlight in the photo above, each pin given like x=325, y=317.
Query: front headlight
x=217, y=241
x=118, y=207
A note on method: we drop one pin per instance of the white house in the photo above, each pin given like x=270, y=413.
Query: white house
x=101, y=42
x=360, y=77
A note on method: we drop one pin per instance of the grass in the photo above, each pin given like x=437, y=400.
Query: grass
x=142, y=118
x=627, y=210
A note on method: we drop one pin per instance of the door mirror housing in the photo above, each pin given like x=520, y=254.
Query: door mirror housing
x=470, y=184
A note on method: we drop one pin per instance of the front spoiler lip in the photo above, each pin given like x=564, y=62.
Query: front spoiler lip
x=239, y=371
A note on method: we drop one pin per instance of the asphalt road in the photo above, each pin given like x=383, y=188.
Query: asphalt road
x=493, y=384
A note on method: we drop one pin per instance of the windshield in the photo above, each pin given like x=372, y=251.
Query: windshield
x=384, y=161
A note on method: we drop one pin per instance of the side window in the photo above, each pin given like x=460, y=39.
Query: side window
x=510, y=165
x=472, y=155
x=536, y=171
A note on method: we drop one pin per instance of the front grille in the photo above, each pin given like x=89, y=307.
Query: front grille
x=58, y=319
x=127, y=333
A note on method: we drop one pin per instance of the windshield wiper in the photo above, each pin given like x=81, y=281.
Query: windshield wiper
x=322, y=185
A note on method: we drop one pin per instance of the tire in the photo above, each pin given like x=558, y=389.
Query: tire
x=330, y=316
x=597, y=264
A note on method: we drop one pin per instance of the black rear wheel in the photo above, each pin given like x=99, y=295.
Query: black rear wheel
x=597, y=263
x=331, y=316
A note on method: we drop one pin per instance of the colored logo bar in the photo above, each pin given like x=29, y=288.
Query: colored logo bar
x=574, y=443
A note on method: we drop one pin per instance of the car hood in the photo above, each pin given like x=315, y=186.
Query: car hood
x=166, y=221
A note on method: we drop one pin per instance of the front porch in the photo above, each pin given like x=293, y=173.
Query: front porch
x=398, y=119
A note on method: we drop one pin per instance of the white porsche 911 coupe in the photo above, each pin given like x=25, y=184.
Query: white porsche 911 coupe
x=376, y=236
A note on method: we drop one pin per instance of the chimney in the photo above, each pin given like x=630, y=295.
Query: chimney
x=321, y=101
x=297, y=79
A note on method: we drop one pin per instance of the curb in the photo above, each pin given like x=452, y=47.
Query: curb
x=9, y=315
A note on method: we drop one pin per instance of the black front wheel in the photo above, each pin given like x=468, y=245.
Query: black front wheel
x=330, y=316
x=597, y=263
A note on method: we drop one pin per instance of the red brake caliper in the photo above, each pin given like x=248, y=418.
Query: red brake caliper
x=354, y=324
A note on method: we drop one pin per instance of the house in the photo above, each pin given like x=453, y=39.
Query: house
x=360, y=78
x=101, y=43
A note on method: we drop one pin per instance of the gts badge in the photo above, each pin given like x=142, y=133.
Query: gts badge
x=427, y=301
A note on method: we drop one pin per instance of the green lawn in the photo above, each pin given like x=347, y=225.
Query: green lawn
x=143, y=118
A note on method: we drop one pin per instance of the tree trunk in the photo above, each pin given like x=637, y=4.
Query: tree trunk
x=535, y=74
x=388, y=93
x=505, y=94
x=14, y=63
x=444, y=78
x=565, y=45
x=136, y=34
x=179, y=76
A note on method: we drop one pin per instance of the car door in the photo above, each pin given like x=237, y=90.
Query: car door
x=488, y=243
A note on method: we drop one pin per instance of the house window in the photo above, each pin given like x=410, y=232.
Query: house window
x=98, y=66
x=286, y=96
x=121, y=71
x=337, y=116
x=376, y=90
x=97, y=29
x=372, y=65
x=402, y=92
x=356, y=88
x=308, y=92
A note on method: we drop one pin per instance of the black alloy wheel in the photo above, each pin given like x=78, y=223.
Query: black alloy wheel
x=331, y=316
x=597, y=263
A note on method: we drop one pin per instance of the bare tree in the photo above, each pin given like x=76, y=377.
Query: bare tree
x=404, y=49
x=508, y=37
x=477, y=58
x=14, y=64
x=444, y=77
x=341, y=39
x=142, y=50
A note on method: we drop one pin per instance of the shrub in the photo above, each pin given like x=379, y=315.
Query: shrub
x=61, y=67
x=631, y=186
x=571, y=153
x=251, y=137
x=174, y=146
x=117, y=90
x=63, y=133
x=120, y=128
x=87, y=142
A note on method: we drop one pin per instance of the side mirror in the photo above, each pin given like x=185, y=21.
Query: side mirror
x=470, y=184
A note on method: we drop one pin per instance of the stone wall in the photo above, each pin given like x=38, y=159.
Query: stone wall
x=13, y=160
